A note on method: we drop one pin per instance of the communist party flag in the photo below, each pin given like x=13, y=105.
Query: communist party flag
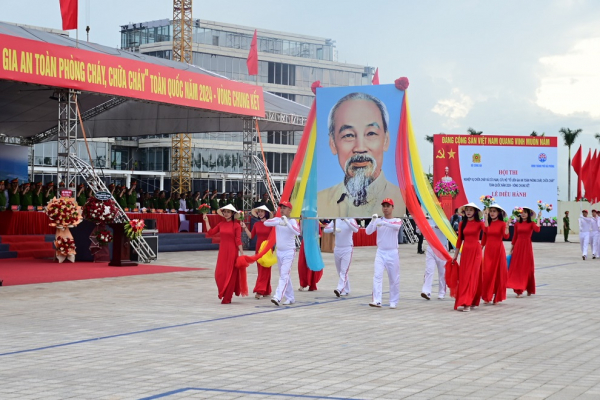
x=68, y=10
x=585, y=169
x=252, y=61
x=375, y=80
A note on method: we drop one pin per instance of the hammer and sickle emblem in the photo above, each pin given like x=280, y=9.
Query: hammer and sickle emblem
x=441, y=154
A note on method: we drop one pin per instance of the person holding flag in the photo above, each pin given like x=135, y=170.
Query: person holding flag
x=286, y=230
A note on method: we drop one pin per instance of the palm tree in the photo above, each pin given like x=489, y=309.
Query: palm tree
x=534, y=133
x=569, y=137
x=597, y=136
x=429, y=138
x=474, y=132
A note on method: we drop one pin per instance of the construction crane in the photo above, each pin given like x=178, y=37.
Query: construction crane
x=181, y=143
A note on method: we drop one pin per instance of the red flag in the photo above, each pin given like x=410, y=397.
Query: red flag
x=68, y=10
x=597, y=184
x=592, y=178
x=252, y=61
x=585, y=168
x=576, y=163
x=375, y=80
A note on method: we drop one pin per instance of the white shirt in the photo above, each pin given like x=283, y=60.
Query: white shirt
x=387, y=232
x=595, y=221
x=182, y=205
x=286, y=234
x=346, y=226
x=585, y=224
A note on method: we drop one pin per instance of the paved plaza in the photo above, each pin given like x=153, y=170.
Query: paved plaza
x=166, y=336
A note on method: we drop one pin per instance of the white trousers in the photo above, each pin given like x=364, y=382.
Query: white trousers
x=343, y=257
x=431, y=262
x=595, y=240
x=584, y=241
x=389, y=261
x=284, y=287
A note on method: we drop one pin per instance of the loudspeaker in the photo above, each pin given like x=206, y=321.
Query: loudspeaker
x=152, y=242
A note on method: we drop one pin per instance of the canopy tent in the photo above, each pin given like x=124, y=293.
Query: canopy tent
x=28, y=111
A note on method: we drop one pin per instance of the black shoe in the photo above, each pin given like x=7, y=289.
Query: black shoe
x=426, y=296
x=337, y=292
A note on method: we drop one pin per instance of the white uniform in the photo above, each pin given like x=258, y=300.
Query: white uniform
x=286, y=248
x=386, y=257
x=585, y=226
x=595, y=237
x=344, y=229
x=432, y=260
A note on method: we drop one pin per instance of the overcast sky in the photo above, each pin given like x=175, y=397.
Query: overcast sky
x=501, y=67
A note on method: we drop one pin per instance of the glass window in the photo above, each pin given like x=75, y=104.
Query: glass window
x=285, y=74
x=277, y=163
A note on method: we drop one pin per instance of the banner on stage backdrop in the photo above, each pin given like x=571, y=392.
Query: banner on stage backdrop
x=516, y=170
x=13, y=162
x=49, y=64
x=357, y=129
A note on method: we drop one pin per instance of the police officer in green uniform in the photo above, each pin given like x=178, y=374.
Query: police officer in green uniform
x=26, y=196
x=81, y=197
x=37, y=196
x=2, y=196
x=161, y=202
x=48, y=194
x=14, y=195
x=121, y=199
x=214, y=201
x=195, y=203
x=205, y=198
x=239, y=201
x=132, y=195
x=223, y=200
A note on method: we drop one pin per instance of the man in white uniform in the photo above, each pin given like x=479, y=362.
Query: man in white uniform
x=595, y=235
x=387, y=253
x=585, y=226
x=432, y=260
x=286, y=230
x=343, y=229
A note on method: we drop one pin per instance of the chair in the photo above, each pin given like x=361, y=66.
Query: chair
x=184, y=224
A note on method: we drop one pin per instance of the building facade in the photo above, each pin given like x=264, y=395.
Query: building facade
x=288, y=65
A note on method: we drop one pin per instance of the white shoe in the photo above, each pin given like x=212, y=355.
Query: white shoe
x=287, y=302
x=344, y=294
x=392, y=305
x=373, y=304
x=303, y=289
x=440, y=297
x=275, y=301
x=466, y=309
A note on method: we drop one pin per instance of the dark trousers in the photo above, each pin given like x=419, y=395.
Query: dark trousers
x=420, y=244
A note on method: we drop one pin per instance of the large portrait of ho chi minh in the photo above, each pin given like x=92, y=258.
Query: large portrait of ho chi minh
x=356, y=142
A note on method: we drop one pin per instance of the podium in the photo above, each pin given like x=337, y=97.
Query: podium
x=121, y=247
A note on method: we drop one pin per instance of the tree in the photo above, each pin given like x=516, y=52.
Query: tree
x=429, y=177
x=569, y=137
x=429, y=138
x=597, y=136
x=474, y=132
x=534, y=133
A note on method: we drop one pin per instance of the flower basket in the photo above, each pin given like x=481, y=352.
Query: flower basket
x=100, y=211
x=446, y=188
x=104, y=237
x=134, y=228
x=63, y=212
x=65, y=248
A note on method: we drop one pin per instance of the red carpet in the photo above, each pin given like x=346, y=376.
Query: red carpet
x=24, y=272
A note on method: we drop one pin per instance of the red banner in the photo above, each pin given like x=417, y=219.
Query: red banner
x=48, y=64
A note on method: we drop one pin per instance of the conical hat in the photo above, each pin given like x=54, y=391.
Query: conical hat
x=227, y=207
x=254, y=212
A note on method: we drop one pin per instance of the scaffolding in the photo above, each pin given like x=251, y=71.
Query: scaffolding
x=249, y=168
x=181, y=143
x=66, y=137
